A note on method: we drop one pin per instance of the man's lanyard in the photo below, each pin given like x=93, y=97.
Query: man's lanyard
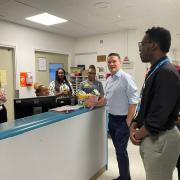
x=144, y=84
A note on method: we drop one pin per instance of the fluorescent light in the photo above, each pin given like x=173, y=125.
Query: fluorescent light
x=46, y=19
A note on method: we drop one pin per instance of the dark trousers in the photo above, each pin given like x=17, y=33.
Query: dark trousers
x=119, y=132
x=3, y=114
x=178, y=162
x=178, y=167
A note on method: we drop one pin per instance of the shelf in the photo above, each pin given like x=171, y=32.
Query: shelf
x=76, y=81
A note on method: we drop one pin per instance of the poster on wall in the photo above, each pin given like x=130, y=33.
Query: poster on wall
x=101, y=73
x=101, y=58
x=3, y=79
x=42, y=64
x=127, y=64
x=101, y=69
x=101, y=77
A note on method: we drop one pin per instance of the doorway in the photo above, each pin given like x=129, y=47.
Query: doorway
x=7, y=78
x=50, y=62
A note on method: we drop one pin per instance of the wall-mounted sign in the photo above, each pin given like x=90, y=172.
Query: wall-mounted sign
x=42, y=64
x=127, y=64
x=3, y=78
x=101, y=58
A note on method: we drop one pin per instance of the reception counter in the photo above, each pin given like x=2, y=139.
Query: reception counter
x=54, y=146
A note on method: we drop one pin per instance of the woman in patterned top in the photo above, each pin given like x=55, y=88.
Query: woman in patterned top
x=91, y=84
x=61, y=86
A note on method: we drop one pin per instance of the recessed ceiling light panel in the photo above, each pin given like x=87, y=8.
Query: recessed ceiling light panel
x=46, y=19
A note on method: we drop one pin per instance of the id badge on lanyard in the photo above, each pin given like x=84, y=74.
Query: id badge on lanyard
x=144, y=84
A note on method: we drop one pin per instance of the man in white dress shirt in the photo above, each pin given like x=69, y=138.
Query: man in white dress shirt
x=120, y=99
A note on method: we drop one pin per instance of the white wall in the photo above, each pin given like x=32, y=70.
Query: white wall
x=123, y=42
x=83, y=50
x=175, y=55
x=26, y=41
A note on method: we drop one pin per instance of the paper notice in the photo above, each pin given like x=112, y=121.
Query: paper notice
x=3, y=77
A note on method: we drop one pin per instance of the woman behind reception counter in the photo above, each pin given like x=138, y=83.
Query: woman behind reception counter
x=91, y=84
x=61, y=86
x=41, y=90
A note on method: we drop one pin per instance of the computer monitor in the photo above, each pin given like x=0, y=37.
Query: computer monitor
x=62, y=101
x=29, y=106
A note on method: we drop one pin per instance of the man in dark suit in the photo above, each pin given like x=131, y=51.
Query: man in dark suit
x=154, y=127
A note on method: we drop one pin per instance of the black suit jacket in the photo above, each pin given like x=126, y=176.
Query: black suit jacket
x=160, y=103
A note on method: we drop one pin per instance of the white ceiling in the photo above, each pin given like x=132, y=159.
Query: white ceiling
x=90, y=17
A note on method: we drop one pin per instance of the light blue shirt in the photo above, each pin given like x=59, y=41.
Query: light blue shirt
x=120, y=91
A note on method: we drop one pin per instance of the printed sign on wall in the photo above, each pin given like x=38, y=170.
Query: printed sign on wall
x=3, y=79
x=42, y=64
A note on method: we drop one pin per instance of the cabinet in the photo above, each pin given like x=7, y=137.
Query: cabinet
x=76, y=80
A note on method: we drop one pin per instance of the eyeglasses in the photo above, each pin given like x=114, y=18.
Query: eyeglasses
x=141, y=44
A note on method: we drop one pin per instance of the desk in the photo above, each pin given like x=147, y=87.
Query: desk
x=54, y=146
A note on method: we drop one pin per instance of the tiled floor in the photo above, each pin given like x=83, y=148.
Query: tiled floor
x=136, y=166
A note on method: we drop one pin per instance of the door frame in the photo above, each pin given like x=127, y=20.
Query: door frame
x=15, y=91
x=14, y=62
x=56, y=52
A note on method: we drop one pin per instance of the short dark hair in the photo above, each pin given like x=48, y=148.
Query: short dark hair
x=92, y=67
x=161, y=36
x=114, y=54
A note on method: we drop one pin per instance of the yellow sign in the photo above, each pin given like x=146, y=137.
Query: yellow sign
x=3, y=78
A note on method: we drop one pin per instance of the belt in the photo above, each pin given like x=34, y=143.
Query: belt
x=117, y=116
